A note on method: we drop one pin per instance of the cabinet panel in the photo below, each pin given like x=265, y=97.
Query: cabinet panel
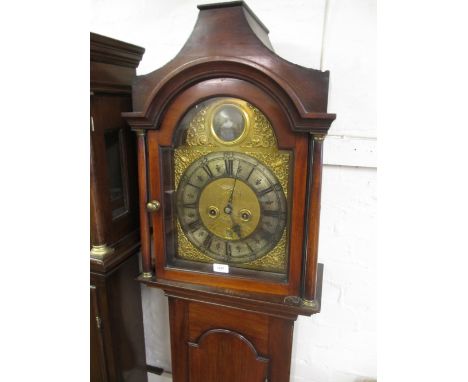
x=224, y=355
x=224, y=344
x=254, y=327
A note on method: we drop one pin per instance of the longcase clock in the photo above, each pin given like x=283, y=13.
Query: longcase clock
x=230, y=158
x=117, y=338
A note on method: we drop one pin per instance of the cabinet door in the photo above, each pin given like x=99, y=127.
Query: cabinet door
x=98, y=359
x=224, y=355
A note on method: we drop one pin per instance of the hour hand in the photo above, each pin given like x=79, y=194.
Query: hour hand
x=237, y=229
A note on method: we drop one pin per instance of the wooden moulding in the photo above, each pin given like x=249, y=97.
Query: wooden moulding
x=110, y=51
x=313, y=218
x=124, y=248
x=268, y=304
x=113, y=64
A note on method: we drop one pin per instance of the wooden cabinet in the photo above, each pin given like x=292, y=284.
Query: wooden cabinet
x=117, y=340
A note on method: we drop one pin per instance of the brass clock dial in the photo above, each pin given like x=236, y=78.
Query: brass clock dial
x=231, y=206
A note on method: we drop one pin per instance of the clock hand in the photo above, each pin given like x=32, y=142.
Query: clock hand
x=228, y=209
x=229, y=203
x=236, y=227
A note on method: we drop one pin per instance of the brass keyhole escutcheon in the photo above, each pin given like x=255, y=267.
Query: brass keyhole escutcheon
x=153, y=206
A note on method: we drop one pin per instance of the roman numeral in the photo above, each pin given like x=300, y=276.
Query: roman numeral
x=228, y=251
x=207, y=241
x=190, y=184
x=207, y=170
x=193, y=226
x=229, y=166
x=265, y=191
x=274, y=213
x=250, y=173
x=190, y=205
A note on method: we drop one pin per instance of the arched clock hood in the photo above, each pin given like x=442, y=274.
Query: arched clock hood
x=229, y=41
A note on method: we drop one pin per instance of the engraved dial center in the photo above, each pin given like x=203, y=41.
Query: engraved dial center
x=230, y=224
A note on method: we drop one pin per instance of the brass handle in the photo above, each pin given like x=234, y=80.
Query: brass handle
x=153, y=206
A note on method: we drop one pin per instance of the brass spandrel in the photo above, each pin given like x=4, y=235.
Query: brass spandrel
x=278, y=162
x=197, y=133
x=261, y=135
x=183, y=158
x=187, y=250
x=275, y=261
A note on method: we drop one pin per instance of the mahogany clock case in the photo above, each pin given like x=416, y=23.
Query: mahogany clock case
x=234, y=326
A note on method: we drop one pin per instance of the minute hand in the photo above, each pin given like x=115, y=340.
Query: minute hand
x=229, y=203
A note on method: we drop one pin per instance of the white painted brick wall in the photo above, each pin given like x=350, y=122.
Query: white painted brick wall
x=339, y=344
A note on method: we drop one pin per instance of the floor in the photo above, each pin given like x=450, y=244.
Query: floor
x=164, y=377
